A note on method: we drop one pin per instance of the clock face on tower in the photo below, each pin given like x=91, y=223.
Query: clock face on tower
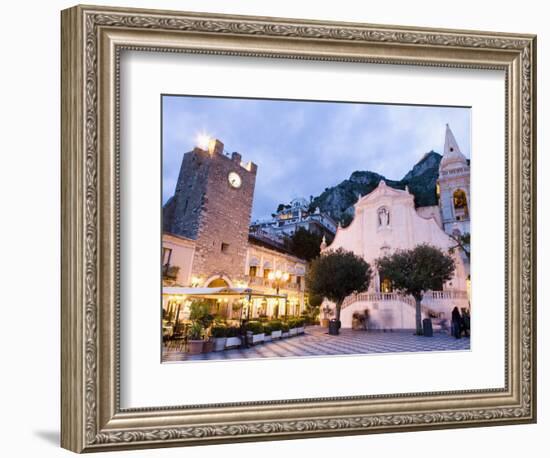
x=234, y=179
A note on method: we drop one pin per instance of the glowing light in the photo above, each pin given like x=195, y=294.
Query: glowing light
x=285, y=276
x=203, y=141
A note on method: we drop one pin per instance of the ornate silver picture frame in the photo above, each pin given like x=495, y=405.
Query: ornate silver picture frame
x=93, y=39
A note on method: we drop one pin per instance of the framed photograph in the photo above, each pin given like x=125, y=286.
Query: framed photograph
x=279, y=228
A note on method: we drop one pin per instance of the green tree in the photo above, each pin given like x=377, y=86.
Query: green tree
x=304, y=244
x=199, y=311
x=337, y=274
x=462, y=242
x=282, y=207
x=416, y=271
x=346, y=220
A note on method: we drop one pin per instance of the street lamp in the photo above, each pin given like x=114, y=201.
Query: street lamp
x=278, y=278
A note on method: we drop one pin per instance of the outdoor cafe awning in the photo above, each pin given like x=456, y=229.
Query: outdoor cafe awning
x=217, y=293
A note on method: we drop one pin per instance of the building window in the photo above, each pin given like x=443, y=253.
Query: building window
x=225, y=247
x=252, y=270
x=460, y=203
x=386, y=286
x=298, y=280
x=266, y=272
x=166, y=255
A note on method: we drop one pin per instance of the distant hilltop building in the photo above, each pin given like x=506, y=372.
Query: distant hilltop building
x=206, y=242
x=387, y=220
x=290, y=218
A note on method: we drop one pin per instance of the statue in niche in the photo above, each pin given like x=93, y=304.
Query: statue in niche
x=383, y=217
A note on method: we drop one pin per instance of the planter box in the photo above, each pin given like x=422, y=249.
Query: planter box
x=285, y=334
x=268, y=338
x=220, y=343
x=195, y=346
x=233, y=342
x=301, y=330
x=276, y=335
x=293, y=332
x=208, y=346
x=256, y=338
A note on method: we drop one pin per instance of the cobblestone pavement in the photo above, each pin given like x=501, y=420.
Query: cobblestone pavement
x=316, y=342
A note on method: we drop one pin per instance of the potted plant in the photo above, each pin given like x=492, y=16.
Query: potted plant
x=285, y=330
x=276, y=329
x=327, y=313
x=233, y=337
x=255, y=332
x=267, y=332
x=208, y=345
x=292, y=327
x=200, y=311
x=357, y=321
x=300, y=325
x=195, y=342
x=219, y=334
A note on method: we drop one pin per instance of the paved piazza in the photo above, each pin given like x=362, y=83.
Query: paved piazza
x=316, y=342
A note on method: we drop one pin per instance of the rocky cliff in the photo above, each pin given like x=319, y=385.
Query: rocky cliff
x=338, y=200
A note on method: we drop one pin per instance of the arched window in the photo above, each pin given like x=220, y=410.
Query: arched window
x=386, y=285
x=460, y=204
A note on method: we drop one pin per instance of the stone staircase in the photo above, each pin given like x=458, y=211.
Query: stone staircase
x=397, y=311
x=384, y=297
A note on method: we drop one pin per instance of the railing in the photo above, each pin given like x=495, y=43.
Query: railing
x=256, y=281
x=442, y=295
x=377, y=297
x=170, y=272
x=260, y=281
x=409, y=300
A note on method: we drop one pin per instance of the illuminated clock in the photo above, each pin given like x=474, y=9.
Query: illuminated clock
x=234, y=179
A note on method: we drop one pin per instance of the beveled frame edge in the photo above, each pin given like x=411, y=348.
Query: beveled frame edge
x=91, y=418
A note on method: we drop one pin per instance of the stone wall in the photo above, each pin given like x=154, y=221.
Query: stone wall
x=209, y=210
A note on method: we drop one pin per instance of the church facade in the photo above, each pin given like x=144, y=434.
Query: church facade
x=386, y=220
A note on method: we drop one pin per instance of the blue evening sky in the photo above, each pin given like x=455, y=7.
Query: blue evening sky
x=300, y=147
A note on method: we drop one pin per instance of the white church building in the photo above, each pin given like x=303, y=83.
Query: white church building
x=386, y=220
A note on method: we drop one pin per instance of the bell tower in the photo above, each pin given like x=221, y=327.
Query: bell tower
x=453, y=187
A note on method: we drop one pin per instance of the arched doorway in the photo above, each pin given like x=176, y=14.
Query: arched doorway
x=218, y=282
x=220, y=307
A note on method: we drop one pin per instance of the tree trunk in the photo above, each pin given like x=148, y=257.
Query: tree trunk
x=418, y=301
x=338, y=308
x=335, y=330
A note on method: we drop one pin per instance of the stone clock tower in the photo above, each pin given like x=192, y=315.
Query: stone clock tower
x=212, y=205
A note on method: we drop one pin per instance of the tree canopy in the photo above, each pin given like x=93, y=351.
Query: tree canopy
x=304, y=244
x=462, y=242
x=337, y=274
x=416, y=271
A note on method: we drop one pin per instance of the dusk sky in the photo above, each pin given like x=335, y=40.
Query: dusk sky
x=301, y=148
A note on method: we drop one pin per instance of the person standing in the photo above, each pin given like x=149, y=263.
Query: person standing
x=455, y=326
x=466, y=319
